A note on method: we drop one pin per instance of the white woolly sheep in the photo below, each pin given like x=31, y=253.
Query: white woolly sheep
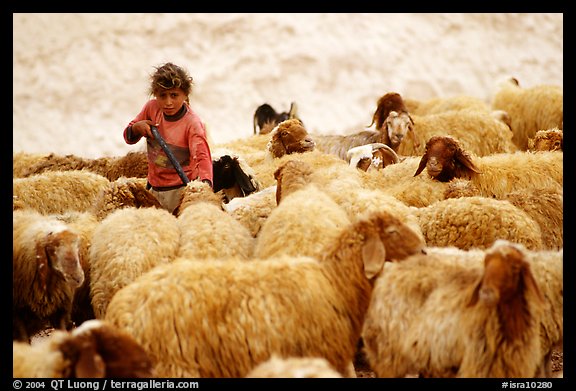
x=46, y=272
x=221, y=319
x=477, y=222
x=547, y=140
x=59, y=191
x=94, y=350
x=253, y=210
x=479, y=133
x=444, y=319
x=126, y=244
x=207, y=231
x=530, y=109
x=294, y=367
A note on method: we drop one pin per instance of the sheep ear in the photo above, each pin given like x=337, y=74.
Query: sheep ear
x=276, y=146
x=530, y=283
x=475, y=293
x=373, y=256
x=42, y=263
x=422, y=164
x=465, y=160
x=90, y=364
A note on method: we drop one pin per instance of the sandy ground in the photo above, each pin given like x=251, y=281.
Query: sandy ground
x=80, y=78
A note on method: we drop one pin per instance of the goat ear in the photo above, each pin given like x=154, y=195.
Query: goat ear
x=243, y=179
x=373, y=255
x=42, y=263
x=465, y=160
x=475, y=294
x=422, y=164
x=90, y=364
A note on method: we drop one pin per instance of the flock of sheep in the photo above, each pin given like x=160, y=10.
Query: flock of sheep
x=429, y=243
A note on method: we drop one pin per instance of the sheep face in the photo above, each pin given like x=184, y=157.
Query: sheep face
x=506, y=276
x=445, y=160
x=397, y=126
x=290, y=137
x=60, y=251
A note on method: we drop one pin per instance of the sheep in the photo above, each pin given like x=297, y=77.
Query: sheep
x=21, y=162
x=127, y=243
x=93, y=350
x=206, y=230
x=477, y=222
x=374, y=156
x=495, y=175
x=294, y=367
x=123, y=193
x=133, y=164
x=59, y=191
x=232, y=175
x=266, y=118
x=221, y=319
x=253, y=210
x=447, y=319
x=478, y=132
x=46, y=272
x=442, y=104
x=531, y=109
x=304, y=223
x=547, y=140
x=288, y=137
x=444, y=160
x=546, y=207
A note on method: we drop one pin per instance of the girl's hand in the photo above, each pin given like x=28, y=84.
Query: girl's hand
x=142, y=128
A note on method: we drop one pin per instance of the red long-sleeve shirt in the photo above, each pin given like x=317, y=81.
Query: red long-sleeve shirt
x=185, y=135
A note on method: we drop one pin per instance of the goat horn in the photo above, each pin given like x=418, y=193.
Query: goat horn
x=293, y=110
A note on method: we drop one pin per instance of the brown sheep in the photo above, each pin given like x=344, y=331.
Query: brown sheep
x=94, y=350
x=289, y=137
x=46, y=273
x=445, y=160
x=440, y=317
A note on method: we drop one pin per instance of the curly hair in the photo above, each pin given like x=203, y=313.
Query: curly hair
x=170, y=76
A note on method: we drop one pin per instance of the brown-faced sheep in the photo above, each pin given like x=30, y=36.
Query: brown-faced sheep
x=531, y=109
x=289, y=137
x=373, y=156
x=547, y=140
x=93, y=350
x=444, y=160
x=439, y=318
x=221, y=319
x=294, y=367
x=46, y=272
x=266, y=118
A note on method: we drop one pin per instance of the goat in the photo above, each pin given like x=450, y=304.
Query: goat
x=266, y=118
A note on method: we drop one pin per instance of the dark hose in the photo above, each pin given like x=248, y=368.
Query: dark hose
x=170, y=155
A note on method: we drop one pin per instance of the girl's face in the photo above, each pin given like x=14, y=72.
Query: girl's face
x=171, y=100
